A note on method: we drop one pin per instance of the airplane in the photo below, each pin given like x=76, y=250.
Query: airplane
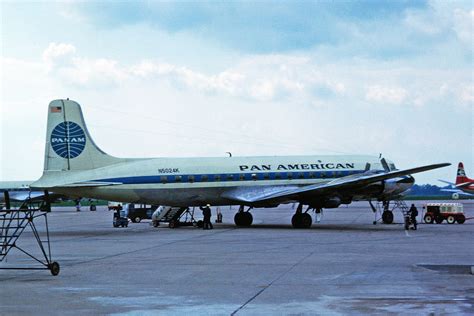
x=463, y=185
x=75, y=166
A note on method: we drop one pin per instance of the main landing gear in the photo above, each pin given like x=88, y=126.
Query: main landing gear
x=300, y=219
x=243, y=218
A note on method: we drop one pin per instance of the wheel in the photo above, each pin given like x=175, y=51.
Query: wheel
x=156, y=223
x=92, y=208
x=296, y=220
x=200, y=224
x=115, y=225
x=54, y=268
x=450, y=219
x=248, y=219
x=238, y=219
x=138, y=219
x=461, y=219
x=306, y=220
x=428, y=219
x=243, y=219
x=387, y=217
x=439, y=220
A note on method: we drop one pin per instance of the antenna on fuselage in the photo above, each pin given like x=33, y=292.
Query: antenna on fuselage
x=229, y=153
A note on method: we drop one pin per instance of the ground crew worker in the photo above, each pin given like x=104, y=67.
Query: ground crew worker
x=413, y=214
x=78, y=205
x=206, y=213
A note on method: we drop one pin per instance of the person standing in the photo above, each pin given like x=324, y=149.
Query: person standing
x=413, y=214
x=206, y=213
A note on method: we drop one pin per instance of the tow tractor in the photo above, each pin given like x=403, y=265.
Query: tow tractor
x=438, y=212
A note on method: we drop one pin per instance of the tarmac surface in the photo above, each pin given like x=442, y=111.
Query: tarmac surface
x=342, y=265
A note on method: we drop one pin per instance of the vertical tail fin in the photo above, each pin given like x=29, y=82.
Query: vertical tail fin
x=461, y=174
x=69, y=147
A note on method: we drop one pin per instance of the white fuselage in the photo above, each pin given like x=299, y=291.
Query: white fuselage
x=194, y=181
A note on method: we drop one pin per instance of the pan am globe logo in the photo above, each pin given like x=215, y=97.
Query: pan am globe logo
x=68, y=140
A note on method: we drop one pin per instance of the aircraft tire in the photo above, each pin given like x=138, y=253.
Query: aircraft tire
x=92, y=208
x=306, y=220
x=138, y=219
x=243, y=219
x=248, y=219
x=461, y=219
x=296, y=220
x=387, y=217
x=54, y=268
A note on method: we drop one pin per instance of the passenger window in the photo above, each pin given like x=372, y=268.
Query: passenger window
x=230, y=177
x=241, y=177
x=254, y=176
x=266, y=176
x=277, y=176
x=191, y=179
x=204, y=178
x=289, y=175
x=217, y=177
x=163, y=179
x=177, y=179
x=301, y=175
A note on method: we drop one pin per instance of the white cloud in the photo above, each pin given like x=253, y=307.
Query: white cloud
x=394, y=95
x=57, y=50
x=100, y=72
x=463, y=24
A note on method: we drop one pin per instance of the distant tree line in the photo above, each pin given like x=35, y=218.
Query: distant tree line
x=428, y=189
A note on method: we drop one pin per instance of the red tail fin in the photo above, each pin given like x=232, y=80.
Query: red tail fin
x=461, y=175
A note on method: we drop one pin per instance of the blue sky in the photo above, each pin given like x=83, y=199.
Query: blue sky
x=255, y=78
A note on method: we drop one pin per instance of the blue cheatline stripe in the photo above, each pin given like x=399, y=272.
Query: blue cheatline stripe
x=227, y=177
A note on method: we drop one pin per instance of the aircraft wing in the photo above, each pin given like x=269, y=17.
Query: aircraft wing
x=344, y=183
x=447, y=182
x=21, y=196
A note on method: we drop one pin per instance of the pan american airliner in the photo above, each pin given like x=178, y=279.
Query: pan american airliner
x=75, y=166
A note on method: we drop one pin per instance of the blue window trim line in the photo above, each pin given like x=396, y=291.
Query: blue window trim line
x=231, y=177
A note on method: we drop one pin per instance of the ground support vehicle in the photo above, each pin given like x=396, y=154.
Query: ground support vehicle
x=175, y=217
x=139, y=212
x=439, y=212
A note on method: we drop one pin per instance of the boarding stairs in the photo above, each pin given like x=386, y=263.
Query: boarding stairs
x=392, y=206
x=14, y=222
x=177, y=216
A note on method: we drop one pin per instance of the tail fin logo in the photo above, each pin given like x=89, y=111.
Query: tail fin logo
x=68, y=140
